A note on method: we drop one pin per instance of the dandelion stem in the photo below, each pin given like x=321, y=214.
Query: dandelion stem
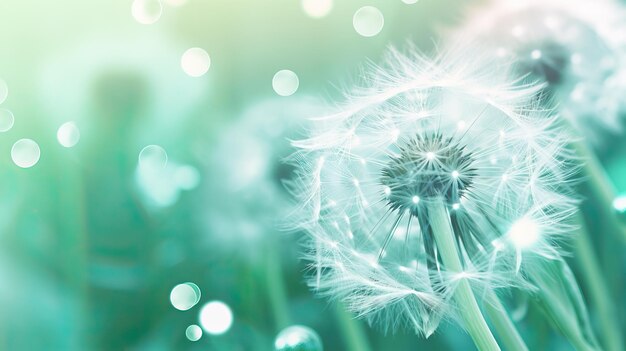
x=466, y=301
x=504, y=326
x=352, y=330
x=597, y=287
x=601, y=189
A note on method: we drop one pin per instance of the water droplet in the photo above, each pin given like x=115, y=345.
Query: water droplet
x=4, y=91
x=68, y=134
x=195, y=62
x=146, y=11
x=185, y=296
x=216, y=317
x=6, y=120
x=193, y=332
x=368, y=21
x=298, y=338
x=317, y=8
x=153, y=157
x=285, y=82
x=25, y=153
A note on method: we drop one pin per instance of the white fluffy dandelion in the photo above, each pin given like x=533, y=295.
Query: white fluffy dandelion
x=436, y=181
x=576, y=47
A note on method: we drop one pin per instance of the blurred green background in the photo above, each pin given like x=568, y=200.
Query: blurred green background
x=92, y=241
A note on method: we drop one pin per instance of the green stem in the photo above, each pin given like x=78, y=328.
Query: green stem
x=352, y=331
x=466, y=301
x=600, y=188
x=597, y=287
x=500, y=319
x=276, y=291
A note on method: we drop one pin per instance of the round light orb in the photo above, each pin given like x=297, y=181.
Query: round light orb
x=187, y=177
x=153, y=157
x=216, y=317
x=6, y=120
x=184, y=296
x=193, y=332
x=524, y=233
x=619, y=204
x=368, y=21
x=146, y=11
x=285, y=82
x=25, y=153
x=298, y=338
x=4, y=91
x=195, y=62
x=317, y=8
x=68, y=134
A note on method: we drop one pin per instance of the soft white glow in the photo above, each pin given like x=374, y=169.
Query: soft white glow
x=524, y=233
x=368, y=21
x=317, y=8
x=620, y=204
x=285, y=82
x=216, y=317
x=25, y=153
x=195, y=62
x=410, y=2
x=4, y=91
x=193, y=332
x=185, y=296
x=455, y=174
x=415, y=199
x=68, y=134
x=187, y=177
x=430, y=155
x=6, y=120
x=146, y=11
x=535, y=54
x=153, y=157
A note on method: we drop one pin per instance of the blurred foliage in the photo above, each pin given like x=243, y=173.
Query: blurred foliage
x=88, y=258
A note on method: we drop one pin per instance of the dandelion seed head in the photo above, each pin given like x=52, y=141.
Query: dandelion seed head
x=431, y=161
x=563, y=44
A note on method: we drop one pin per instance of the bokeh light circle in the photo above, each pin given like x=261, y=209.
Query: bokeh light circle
x=195, y=62
x=184, y=296
x=187, y=177
x=285, y=82
x=368, y=21
x=153, y=157
x=317, y=8
x=619, y=204
x=68, y=134
x=6, y=120
x=4, y=91
x=298, y=338
x=193, y=332
x=146, y=11
x=216, y=317
x=25, y=153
